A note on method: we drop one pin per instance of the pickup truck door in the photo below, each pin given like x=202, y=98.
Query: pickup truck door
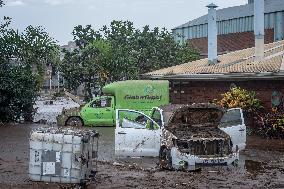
x=100, y=112
x=233, y=124
x=136, y=134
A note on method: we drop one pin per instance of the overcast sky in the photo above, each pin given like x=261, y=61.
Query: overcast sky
x=59, y=17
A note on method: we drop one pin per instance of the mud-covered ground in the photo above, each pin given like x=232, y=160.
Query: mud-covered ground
x=261, y=166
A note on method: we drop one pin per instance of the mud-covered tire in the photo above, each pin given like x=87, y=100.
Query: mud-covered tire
x=74, y=122
x=165, y=159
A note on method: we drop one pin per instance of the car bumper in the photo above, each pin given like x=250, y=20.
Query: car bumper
x=191, y=162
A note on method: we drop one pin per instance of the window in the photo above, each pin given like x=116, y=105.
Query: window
x=101, y=103
x=277, y=99
x=128, y=119
x=156, y=116
x=231, y=118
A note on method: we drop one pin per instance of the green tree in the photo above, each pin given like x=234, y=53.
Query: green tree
x=17, y=92
x=136, y=52
x=88, y=66
x=71, y=70
x=157, y=49
x=80, y=66
x=23, y=57
x=38, y=50
x=101, y=59
x=121, y=37
x=120, y=52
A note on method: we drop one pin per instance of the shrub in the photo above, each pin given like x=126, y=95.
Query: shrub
x=240, y=98
x=18, y=91
x=270, y=125
x=266, y=124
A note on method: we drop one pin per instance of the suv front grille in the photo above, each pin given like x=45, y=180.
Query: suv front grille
x=205, y=147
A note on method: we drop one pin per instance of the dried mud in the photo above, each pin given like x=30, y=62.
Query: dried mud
x=261, y=166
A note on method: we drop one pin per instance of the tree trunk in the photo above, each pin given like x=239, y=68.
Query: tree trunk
x=88, y=91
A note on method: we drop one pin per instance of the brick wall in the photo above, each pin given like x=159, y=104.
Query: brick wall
x=205, y=91
x=231, y=42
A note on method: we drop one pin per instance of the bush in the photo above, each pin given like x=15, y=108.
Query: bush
x=23, y=59
x=240, y=98
x=270, y=125
x=18, y=91
x=266, y=124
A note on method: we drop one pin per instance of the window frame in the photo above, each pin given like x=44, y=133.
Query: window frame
x=108, y=102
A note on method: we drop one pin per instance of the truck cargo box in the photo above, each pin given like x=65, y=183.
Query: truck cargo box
x=139, y=94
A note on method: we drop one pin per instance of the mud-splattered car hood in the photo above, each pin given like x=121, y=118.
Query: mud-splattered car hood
x=195, y=115
x=196, y=121
x=194, y=129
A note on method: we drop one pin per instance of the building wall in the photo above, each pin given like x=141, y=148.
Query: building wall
x=230, y=42
x=188, y=92
x=273, y=20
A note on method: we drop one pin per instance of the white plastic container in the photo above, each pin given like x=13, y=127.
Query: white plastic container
x=63, y=155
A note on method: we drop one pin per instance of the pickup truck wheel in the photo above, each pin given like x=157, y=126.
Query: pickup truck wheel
x=165, y=159
x=74, y=122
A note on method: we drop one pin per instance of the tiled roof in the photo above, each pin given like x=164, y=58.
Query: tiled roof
x=241, y=62
x=237, y=12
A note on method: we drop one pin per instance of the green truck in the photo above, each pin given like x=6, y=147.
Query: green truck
x=140, y=95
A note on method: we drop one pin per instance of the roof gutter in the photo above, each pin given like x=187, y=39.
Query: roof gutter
x=230, y=76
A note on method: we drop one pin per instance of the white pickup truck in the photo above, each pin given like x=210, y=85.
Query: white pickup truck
x=183, y=136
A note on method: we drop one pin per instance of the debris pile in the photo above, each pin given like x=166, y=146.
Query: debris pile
x=47, y=110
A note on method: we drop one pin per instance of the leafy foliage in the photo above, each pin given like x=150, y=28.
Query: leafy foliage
x=38, y=49
x=23, y=57
x=17, y=92
x=270, y=125
x=240, y=98
x=260, y=122
x=119, y=52
x=87, y=66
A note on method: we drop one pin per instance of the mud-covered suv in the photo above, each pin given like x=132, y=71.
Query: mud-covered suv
x=183, y=136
